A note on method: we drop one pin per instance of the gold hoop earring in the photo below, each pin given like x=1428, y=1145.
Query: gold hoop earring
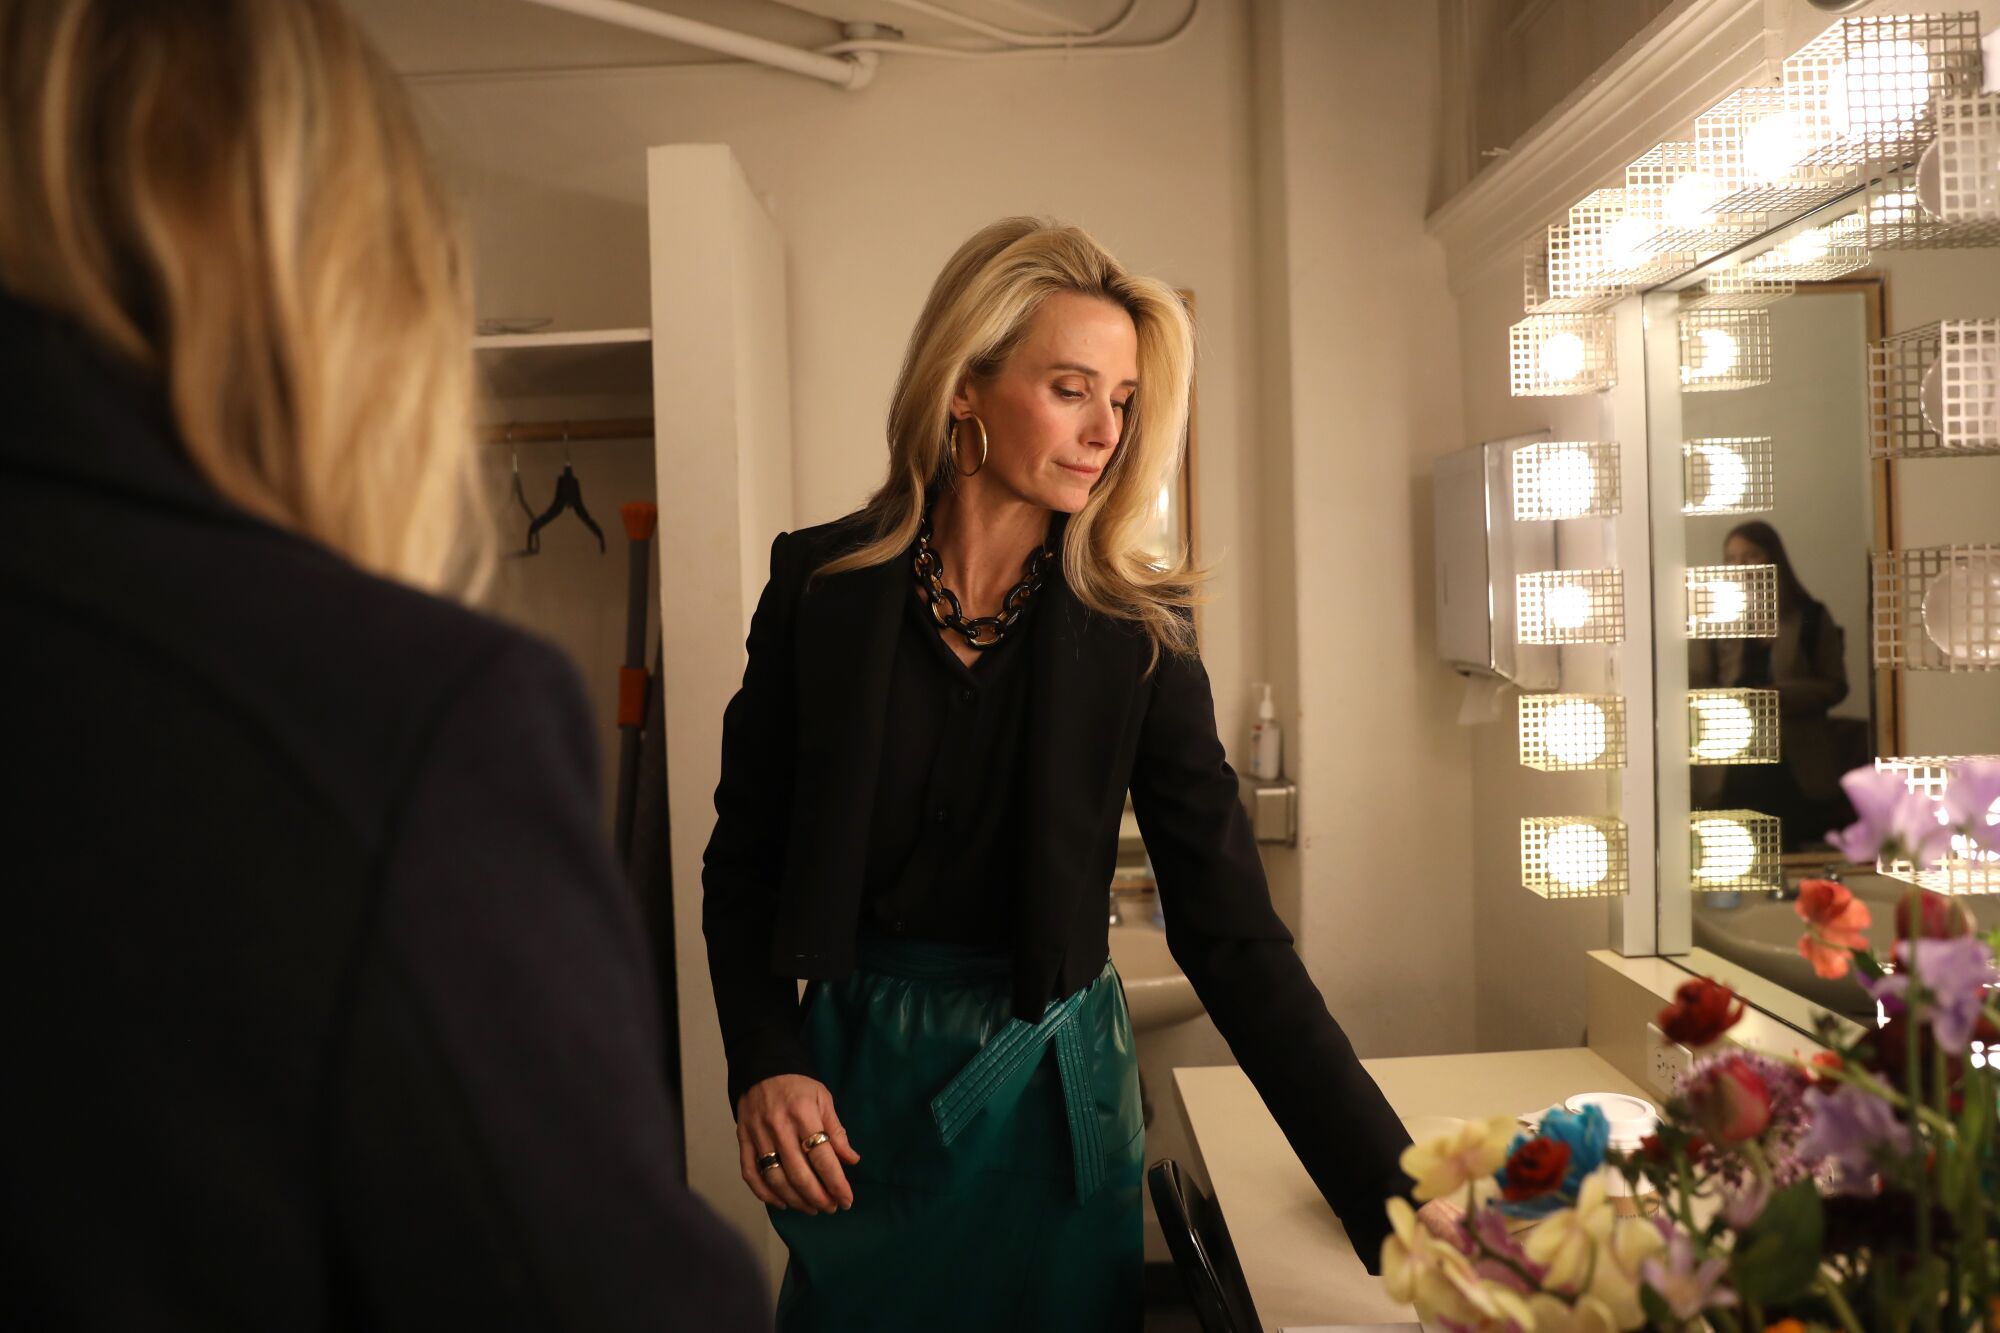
x=951, y=443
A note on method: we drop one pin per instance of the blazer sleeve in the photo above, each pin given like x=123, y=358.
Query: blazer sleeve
x=1228, y=939
x=745, y=858
x=502, y=1141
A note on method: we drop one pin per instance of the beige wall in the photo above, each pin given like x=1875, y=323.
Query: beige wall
x=1363, y=362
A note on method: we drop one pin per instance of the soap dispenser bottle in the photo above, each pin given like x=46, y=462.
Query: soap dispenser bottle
x=1267, y=740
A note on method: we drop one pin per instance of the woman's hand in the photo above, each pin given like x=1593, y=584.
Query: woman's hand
x=778, y=1116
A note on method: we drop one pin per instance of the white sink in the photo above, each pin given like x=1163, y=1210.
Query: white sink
x=1157, y=992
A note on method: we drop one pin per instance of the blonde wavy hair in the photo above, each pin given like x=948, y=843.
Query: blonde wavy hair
x=234, y=194
x=979, y=311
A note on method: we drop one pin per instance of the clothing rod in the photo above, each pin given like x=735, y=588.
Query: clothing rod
x=537, y=432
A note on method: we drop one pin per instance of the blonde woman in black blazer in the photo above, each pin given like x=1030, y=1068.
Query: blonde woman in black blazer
x=947, y=696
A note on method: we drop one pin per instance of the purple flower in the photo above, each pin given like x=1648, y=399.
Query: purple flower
x=1887, y=991
x=1957, y=973
x=1491, y=1227
x=1892, y=819
x=1743, y=1206
x=1687, y=1288
x=1849, y=1129
x=1972, y=802
x=1876, y=796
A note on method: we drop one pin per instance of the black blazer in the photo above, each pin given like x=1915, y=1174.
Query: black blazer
x=323, y=1005
x=783, y=868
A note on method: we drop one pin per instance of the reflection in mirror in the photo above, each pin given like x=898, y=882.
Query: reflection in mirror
x=1777, y=484
x=1783, y=488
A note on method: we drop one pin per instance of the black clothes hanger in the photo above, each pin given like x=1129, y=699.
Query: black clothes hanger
x=569, y=495
x=519, y=495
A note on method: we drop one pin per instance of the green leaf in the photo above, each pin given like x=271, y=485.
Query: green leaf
x=1865, y=961
x=1777, y=1258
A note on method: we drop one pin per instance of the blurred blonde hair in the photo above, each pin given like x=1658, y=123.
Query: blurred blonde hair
x=234, y=194
x=978, y=313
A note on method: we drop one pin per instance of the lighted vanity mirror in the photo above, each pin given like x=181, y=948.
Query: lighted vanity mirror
x=1804, y=585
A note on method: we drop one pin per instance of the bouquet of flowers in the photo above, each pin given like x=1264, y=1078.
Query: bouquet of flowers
x=1852, y=1191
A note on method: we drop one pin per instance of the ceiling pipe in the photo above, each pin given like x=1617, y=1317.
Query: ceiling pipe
x=851, y=72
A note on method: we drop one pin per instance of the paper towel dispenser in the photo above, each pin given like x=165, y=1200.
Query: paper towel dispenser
x=1479, y=550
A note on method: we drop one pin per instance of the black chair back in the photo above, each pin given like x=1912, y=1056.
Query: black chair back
x=1202, y=1251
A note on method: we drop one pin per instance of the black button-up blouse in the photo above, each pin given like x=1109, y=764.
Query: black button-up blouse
x=943, y=839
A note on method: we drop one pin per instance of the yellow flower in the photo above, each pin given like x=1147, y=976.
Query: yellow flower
x=1473, y=1151
x=1588, y=1315
x=1564, y=1241
x=1615, y=1281
x=1486, y=1304
x=1414, y=1264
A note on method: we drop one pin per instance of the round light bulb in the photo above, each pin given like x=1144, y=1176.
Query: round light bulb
x=1727, y=850
x=1625, y=242
x=1562, y=356
x=1567, y=607
x=1574, y=732
x=1568, y=482
x=1772, y=146
x=1578, y=856
x=1715, y=353
x=1690, y=197
x=1727, y=602
x=1808, y=247
x=1726, y=478
x=1723, y=727
x=1890, y=85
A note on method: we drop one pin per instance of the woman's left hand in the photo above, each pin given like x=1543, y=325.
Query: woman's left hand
x=1442, y=1218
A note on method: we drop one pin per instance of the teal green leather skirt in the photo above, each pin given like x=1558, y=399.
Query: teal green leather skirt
x=1001, y=1161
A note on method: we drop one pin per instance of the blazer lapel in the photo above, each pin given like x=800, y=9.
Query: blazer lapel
x=846, y=632
x=1085, y=677
x=1084, y=670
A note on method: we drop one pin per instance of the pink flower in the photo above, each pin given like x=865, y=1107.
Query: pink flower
x=1687, y=1288
x=1729, y=1100
x=1835, y=920
x=1931, y=916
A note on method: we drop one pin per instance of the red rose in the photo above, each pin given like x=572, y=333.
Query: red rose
x=1701, y=1012
x=1938, y=916
x=1729, y=1101
x=1537, y=1167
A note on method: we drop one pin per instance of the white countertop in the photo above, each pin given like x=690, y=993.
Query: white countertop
x=1300, y=1267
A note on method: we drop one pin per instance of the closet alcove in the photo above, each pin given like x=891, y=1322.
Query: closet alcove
x=691, y=411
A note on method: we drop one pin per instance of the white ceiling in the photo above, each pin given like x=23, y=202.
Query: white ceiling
x=464, y=36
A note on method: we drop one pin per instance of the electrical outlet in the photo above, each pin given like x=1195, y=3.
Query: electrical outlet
x=1666, y=1060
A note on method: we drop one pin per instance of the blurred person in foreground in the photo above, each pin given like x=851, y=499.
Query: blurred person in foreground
x=325, y=1006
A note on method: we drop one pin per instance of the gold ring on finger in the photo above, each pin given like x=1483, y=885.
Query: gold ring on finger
x=765, y=1161
x=812, y=1141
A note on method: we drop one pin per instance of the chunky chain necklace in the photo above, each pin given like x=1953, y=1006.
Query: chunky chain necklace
x=982, y=632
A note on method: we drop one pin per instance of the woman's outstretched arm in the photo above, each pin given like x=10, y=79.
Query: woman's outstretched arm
x=1224, y=933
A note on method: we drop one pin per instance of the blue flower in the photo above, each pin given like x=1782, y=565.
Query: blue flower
x=1587, y=1133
